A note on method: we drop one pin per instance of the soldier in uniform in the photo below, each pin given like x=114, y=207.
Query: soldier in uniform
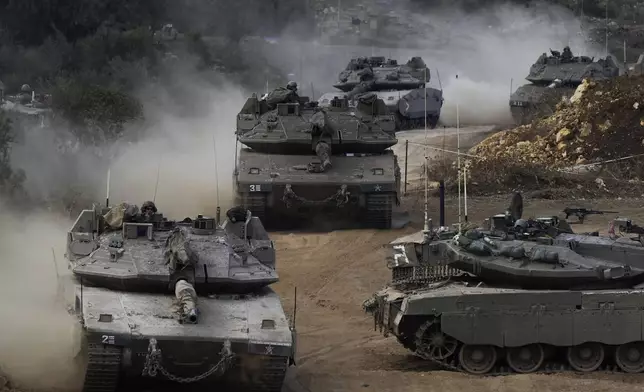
x=25, y=94
x=566, y=56
x=367, y=81
x=283, y=95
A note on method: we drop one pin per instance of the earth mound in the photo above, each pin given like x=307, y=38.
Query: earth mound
x=602, y=121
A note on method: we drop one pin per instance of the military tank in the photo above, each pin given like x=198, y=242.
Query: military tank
x=553, y=77
x=474, y=302
x=301, y=160
x=183, y=302
x=401, y=87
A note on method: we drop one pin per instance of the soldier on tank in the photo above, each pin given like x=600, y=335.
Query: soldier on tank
x=25, y=94
x=283, y=95
x=367, y=81
x=566, y=56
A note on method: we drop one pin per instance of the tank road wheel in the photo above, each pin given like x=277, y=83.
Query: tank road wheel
x=378, y=210
x=586, y=357
x=477, y=359
x=526, y=359
x=630, y=357
x=433, y=344
x=103, y=368
x=256, y=203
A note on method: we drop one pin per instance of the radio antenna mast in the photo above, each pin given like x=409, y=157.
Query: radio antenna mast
x=156, y=186
x=426, y=171
x=214, y=148
x=107, y=196
x=458, y=165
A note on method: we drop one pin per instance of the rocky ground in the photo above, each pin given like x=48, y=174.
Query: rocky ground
x=602, y=121
x=593, y=142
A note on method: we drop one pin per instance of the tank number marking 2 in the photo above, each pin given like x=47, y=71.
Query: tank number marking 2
x=255, y=188
x=107, y=339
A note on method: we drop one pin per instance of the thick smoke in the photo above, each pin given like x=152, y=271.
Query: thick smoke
x=490, y=51
x=39, y=338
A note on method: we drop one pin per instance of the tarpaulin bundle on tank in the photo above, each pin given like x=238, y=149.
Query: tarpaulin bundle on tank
x=476, y=242
x=280, y=95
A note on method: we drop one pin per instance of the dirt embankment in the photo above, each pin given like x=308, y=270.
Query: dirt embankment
x=602, y=121
x=592, y=146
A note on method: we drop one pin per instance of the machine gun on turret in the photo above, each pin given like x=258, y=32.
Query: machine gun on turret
x=581, y=213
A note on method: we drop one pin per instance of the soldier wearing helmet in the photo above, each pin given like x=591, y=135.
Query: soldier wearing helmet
x=292, y=86
x=25, y=96
x=283, y=95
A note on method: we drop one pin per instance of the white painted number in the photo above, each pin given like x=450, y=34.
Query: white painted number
x=255, y=188
x=107, y=339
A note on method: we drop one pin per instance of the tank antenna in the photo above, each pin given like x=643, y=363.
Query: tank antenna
x=214, y=148
x=294, y=308
x=156, y=186
x=465, y=168
x=458, y=163
x=81, y=296
x=625, y=65
x=426, y=171
x=438, y=76
x=107, y=196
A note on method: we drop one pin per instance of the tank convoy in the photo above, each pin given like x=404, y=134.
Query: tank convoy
x=517, y=296
x=553, y=77
x=401, y=87
x=183, y=302
x=300, y=160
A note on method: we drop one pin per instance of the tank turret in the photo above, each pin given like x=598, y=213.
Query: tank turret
x=401, y=87
x=195, y=294
x=301, y=158
x=553, y=77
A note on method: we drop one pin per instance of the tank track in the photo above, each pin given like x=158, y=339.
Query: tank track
x=103, y=368
x=405, y=124
x=272, y=377
x=549, y=366
x=378, y=210
x=256, y=203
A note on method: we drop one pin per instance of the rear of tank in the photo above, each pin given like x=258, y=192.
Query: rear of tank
x=363, y=187
x=238, y=340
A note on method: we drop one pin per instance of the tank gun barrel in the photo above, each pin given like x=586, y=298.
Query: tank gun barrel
x=187, y=297
x=323, y=151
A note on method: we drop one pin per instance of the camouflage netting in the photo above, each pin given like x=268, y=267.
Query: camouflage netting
x=602, y=121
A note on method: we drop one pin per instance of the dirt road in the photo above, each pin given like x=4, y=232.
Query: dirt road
x=335, y=272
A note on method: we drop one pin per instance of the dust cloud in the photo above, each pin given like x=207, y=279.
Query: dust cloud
x=193, y=155
x=477, y=58
x=39, y=337
x=191, y=146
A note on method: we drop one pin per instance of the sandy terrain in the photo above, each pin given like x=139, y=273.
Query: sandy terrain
x=338, y=348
